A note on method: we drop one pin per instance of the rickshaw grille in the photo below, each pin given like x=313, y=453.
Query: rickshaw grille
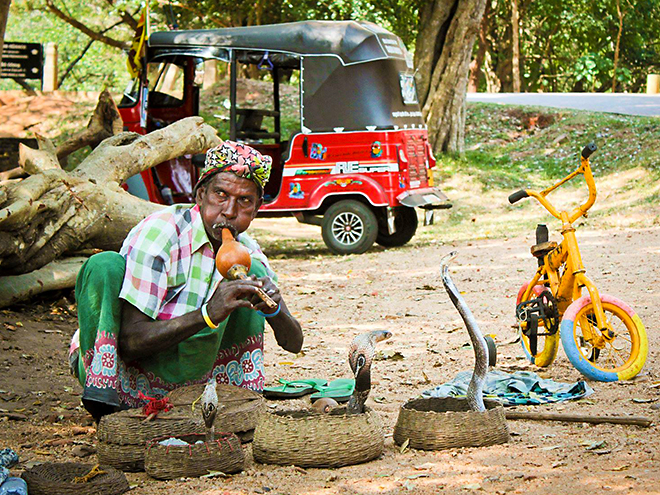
x=416, y=151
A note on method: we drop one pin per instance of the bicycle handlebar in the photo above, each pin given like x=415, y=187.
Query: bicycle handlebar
x=517, y=196
x=588, y=150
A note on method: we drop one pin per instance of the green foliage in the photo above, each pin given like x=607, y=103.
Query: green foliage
x=397, y=15
x=102, y=65
x=569, y=45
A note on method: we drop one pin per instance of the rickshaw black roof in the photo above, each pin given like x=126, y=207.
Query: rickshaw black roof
x=352, y=42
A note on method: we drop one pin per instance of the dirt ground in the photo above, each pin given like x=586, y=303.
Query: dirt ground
x=399, y=290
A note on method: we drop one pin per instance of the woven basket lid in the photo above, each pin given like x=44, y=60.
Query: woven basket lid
x=238, y=408
x=130, y=428
x=57, y=479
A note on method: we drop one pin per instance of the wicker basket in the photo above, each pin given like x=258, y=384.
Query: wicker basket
x=57, y=479
x=225, y=454
x=444, y=423
x=238, y=408
x=130, y=428
x=123, y=435
x=127, y=458
x=310, y=439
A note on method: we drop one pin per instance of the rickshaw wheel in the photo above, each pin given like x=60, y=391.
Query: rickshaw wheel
x=405, y=222
x=349, y=227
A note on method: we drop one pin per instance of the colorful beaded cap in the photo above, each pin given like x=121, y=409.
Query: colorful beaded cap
x=238, y=159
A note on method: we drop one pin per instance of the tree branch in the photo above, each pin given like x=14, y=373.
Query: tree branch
x=26, y=87
x=82, y=54
x=125, y=16
x=74, y=62
x=81, y=27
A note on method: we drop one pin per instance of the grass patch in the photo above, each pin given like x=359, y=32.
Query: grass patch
x=514, y=147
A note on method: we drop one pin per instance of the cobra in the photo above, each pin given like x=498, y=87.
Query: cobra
x=210, y=407
x=475, y=389
x=360, y=356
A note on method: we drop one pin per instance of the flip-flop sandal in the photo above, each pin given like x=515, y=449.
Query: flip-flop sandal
x=340, y=390
x=294, y=388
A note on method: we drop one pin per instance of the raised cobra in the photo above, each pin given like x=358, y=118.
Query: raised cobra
x=360, y=355
x=210, y=407
x=475, y=389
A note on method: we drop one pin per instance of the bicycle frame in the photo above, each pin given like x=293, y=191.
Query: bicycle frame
x=567, y=286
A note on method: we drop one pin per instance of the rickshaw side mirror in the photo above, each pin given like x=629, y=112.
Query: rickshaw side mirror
x=198, y=80
x=304, y=147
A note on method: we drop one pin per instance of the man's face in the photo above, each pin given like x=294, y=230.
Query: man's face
x=227, y=201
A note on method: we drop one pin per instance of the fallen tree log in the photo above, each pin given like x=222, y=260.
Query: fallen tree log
x=579, y=418
x=60, y=274
x=53, y=212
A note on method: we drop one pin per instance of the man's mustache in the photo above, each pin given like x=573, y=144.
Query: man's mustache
x=224, y=225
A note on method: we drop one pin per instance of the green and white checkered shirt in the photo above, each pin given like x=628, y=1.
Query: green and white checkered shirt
x=170, y=264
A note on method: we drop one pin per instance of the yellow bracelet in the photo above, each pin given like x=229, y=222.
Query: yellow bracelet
x=207, y=318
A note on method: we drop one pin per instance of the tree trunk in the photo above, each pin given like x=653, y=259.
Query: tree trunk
x=515, y=46
x=443, y=52
x=52, y=212
x=4, y=14
x=621, y=15
x=476, y=72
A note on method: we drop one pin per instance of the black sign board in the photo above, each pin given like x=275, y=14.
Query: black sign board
x=22, y=60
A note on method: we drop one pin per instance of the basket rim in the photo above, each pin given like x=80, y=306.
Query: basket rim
x=491, y=405
x=306, y=415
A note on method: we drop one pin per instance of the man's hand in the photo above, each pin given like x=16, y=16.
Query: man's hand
x=269, y=288
x=142, y=337
x=231, y=295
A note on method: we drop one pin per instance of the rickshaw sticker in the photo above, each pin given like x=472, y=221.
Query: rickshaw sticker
x=318, y=151
x=295, y=191
x=342, y=182
x=408, y=89
x=358, y=168
x=376, y=149
x=313, y=171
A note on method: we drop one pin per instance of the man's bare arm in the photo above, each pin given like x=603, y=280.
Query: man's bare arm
x=288, y=332
x=141, y=337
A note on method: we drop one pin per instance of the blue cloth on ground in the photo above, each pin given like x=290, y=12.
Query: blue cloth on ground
x=519, y=388
x=14, y=486
x=8, y=458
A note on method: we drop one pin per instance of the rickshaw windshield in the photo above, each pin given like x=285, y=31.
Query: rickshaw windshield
x=166, y=83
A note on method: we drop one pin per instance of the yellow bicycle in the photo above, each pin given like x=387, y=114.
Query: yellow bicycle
x=602, y=336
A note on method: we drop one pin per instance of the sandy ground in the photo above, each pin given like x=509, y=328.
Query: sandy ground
x=336, y=298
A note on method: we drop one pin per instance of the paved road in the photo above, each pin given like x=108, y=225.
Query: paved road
x=626, y=104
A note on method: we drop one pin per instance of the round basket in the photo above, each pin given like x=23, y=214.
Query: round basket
x=130, y=428
x=310, y=439
x=57, y=479
x=167, y=462
x=238, y=408
x=128, y=458
x=444, y=423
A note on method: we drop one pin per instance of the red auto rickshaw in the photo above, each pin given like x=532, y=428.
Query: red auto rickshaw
x=358, y=164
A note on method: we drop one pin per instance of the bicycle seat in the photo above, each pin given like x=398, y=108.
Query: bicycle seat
x=540, y=250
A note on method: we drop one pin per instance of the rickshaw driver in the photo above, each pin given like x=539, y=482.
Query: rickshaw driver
x=155, y=316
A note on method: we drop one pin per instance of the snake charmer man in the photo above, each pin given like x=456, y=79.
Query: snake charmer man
x=158, y=315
